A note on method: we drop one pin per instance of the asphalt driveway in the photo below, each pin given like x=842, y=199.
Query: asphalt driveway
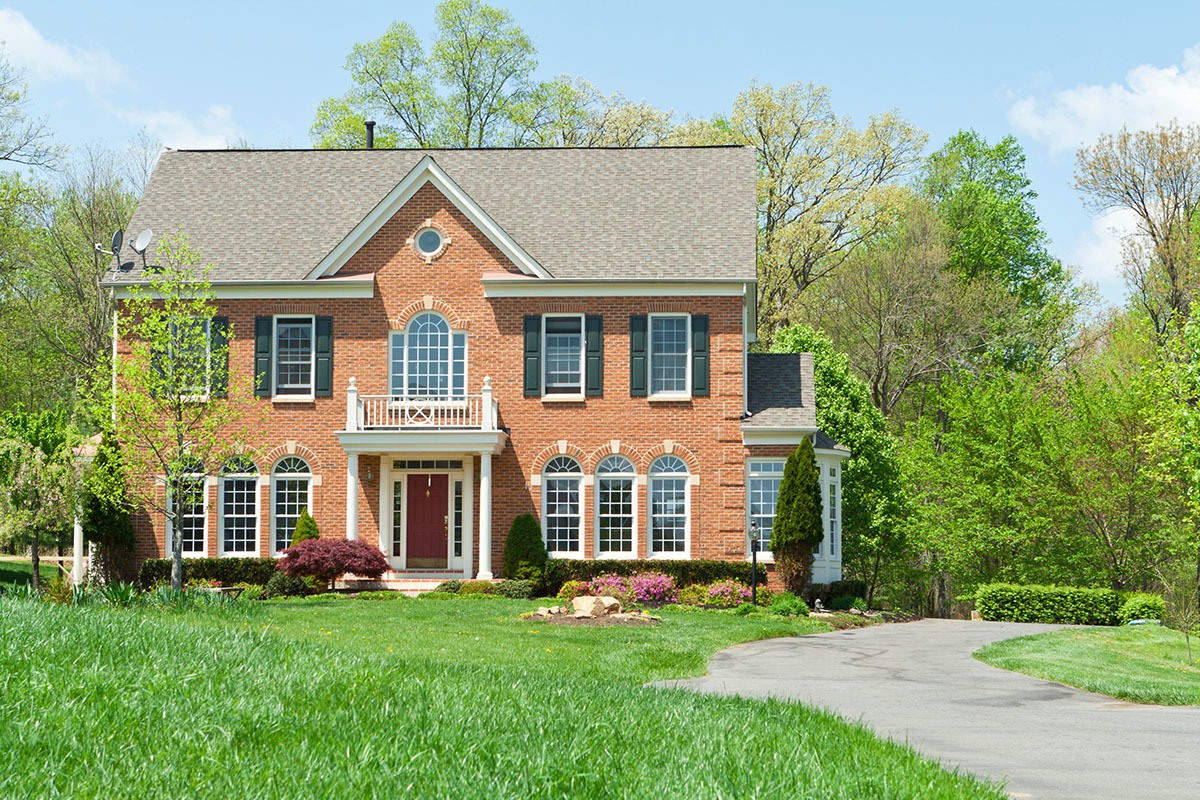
x=916, y=683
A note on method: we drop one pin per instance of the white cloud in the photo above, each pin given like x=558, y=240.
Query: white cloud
x=1150, y=95
x=215, y=130
x=25, y=47
x=1098, y=253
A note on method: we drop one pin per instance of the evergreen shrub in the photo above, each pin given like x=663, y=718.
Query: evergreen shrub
x=306, y=528
x=229, y=571
x=524, y=551
x=477, y=587
x=786, y=604
x=515, y=590
x=283, y=585
x=1066, y=605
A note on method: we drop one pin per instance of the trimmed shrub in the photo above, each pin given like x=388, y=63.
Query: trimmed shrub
x=693, y=595
x=524, y=551
x=327, y=560
x=450, y=587
x=1068, y=605
x=764, y=596
x=477, y=587
x=798, y=525
x=306, y=528
x=745, y=609
x=382, y=594
x=515, y=590
x=727, y=594
x=437, y=596
x=283, y=585
x=572, y=589
x=685, y=573
x=229, y=571
x=786, y=604
x=1142, y=605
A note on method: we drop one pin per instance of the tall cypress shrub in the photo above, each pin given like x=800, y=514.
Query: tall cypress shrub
x=798, y=526
x=524, y=551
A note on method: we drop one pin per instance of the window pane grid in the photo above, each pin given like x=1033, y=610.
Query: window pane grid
x=458, y=519
x=564, y=354
x=615, y=519
x=428, y=357
x=293, y=356
x=763, y=489
x=668, y=354
x=291, y=495
x=239, y=515
x=668, y=515
x=562, y=514
x=191, y=516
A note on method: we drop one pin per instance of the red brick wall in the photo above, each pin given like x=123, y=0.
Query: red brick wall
x=704, y=431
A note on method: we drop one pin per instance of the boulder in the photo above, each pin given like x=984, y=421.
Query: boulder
x=588, y=606
x=611, y=605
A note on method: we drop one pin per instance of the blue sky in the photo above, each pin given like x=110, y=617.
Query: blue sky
x=1054, y=74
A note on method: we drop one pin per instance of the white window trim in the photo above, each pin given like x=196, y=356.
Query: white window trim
x=763, y=555
x=258, y=482
x=171, y=528
x=566, y=396
x=686, y=553
x=578, y=477
x=274, y=481
x=450, y=400
x=632, y=477
x=312, y=361
x=205, y=396
x=652, y=395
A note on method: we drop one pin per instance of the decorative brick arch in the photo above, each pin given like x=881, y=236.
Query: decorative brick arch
x=429, y=303
x=561, y=448
x=616, y=447
x=669, y=448
x=286, y=449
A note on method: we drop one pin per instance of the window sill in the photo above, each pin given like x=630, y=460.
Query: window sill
x=669, y=398
x=619, y=556
x=293, y=398
x=669, y=556
x=563, y=554
x=238, y=555
x=563, y=398
x=764, y=557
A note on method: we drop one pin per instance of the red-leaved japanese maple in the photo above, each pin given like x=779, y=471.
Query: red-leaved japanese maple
x=329, y=559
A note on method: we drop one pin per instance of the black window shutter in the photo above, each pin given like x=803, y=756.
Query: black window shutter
x=638, y=364
x=218, y=343
x=263, y=333
x=700, y=355
x=533, y=355
x=594, y=359
x=324, y=377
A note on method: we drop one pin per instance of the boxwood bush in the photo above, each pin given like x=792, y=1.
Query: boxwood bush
x=685, y=573
x=229, y=571
x=1141, y=605
x=1054, y=604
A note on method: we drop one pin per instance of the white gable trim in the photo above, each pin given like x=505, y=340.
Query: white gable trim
x=496, y=285
x=426, y=171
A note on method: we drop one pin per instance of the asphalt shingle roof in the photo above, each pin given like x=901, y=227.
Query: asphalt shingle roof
x=618, y=214
x=780, y=391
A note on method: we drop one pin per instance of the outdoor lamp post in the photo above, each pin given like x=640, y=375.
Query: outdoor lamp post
x=754, y=563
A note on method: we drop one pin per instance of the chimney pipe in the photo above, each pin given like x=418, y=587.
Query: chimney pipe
x=370, y=134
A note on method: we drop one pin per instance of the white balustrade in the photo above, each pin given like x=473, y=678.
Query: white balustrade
x=395, y=412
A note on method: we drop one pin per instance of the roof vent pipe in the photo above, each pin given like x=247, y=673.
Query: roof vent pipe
x=370, y=134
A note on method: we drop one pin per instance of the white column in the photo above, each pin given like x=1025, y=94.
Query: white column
x=485, y=517
x=77, y=546
x=468, y=512
x=352, y=496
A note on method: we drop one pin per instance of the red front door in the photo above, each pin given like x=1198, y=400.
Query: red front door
x=426, y=521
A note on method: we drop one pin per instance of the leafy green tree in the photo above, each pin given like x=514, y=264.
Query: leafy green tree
x=104, y=511
x=38, y=476
x=178, y=411
x=872, y=491
x=798, y=526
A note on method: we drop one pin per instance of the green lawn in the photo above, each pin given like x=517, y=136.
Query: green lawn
x=18, y=572
x=1142, y=663
x=421, y=698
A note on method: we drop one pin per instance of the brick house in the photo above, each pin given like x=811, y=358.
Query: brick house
x=448, y=339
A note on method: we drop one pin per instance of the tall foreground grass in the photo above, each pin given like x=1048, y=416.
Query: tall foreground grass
x=101, y=702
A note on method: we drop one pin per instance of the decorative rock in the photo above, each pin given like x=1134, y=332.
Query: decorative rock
x=611, y=605
x=589, y=606
x=542, y=611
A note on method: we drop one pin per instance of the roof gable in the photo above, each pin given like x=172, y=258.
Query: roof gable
x=427, y=171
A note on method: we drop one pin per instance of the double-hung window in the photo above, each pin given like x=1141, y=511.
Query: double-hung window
x=428, y=361
x=669, y=354
x=562, y=339
x=669, y=512
x=294, y=356
x=291, y=492
x=238, y=509
x=762, y=489
x=562, y=508
x=188, y=499
x=615, y=518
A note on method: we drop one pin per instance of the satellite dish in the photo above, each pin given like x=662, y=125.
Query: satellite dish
x=116, y=243
x=143, y=241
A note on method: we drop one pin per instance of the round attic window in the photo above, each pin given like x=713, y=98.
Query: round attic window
x=429, y=241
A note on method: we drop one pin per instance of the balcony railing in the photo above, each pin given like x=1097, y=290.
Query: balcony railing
x=393, y=412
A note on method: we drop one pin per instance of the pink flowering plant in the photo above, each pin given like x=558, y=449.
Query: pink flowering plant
x=612, y=585
x=572, y=589
x=727, y=594
x=654, y=588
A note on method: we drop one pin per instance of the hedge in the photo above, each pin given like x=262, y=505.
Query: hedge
x=1141, y=605
x=685, y=573
x=228, y=571
x=1054, y=604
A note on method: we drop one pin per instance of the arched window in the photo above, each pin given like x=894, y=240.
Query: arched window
x=188, y=500
x=562, y=516
x=238, y=507
x=291, y=491
x=669, y=517
x=428, y=359
x=615, y=516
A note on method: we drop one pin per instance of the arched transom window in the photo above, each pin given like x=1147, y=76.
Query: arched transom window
x=428, y=359
x=562, y=516
x=615, y=516
x=669, y=513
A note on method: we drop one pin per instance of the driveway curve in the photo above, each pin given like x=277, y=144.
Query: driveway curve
x=917, y=684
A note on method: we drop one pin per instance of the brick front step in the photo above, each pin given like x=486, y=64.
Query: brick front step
x=411, y=582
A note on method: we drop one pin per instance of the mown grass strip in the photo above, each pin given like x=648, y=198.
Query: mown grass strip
x=1143, y=663
x=285, y=701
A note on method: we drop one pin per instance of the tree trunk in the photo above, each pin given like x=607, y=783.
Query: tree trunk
x=33, y=560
